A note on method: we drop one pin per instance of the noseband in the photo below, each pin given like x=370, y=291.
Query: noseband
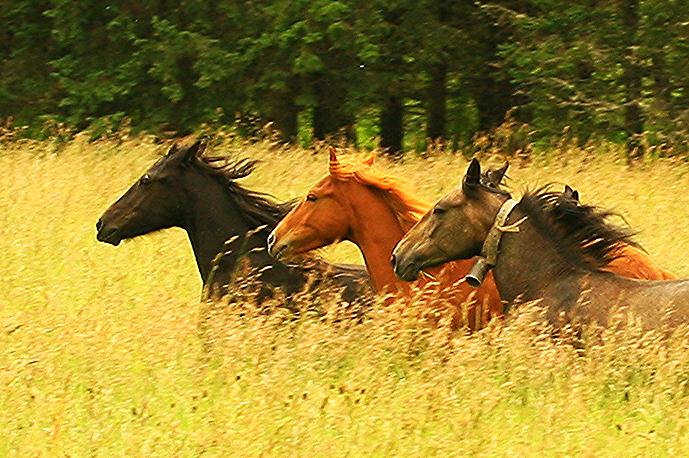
x=489, y=251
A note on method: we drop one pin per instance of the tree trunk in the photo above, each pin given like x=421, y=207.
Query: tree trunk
x=436, y=102
x=662, y=86
x=284, y=113
x=493, y=98
x=492, y=92
x=436, y=106
x=329, y=118
x=186, y=110
x=391, y=125
x=631, y=79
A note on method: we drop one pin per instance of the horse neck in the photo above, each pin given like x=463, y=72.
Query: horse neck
x=270, y=270
x=529, y=263
x=376, y=231
x=211, y=219
x=209, y=222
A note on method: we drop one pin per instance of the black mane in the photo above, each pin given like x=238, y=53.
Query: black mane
x=259, y=208
x=582, y=233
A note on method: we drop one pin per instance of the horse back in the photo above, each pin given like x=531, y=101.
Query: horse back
x=655, y=303
x=633, y=262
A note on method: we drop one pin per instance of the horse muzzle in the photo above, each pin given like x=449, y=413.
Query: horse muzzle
x=276, y=248
x=404, y=268
x=107, y=234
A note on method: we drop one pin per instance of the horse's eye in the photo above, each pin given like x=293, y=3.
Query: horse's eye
x=146, y=180
x=311, y=198
x=439, y=210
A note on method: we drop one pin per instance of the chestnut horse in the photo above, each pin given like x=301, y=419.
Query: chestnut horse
x=374, y=212
x=542, y=248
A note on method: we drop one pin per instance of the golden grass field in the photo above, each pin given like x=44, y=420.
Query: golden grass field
x=106, y=351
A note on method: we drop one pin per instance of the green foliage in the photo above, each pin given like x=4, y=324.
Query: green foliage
x=593, y=68
x=175, y=69
x=570, y=61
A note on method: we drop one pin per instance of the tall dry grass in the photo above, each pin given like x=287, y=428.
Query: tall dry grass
x=106, y=351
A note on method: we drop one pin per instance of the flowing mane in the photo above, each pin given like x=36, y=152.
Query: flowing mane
x=407, y=209
x=259, y=208
x=582, y=233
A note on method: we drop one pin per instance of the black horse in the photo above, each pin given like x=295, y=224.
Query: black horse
x=225, y=222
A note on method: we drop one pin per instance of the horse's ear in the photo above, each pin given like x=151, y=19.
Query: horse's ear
x=334, y=163
x=473, y=175
x=370, y=160
x=194, y=150
x=571, y=193
x=496, y=176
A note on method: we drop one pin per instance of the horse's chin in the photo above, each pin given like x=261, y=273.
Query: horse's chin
x=291, y=255
x=280, y=253
x=292, y=248
x=412, y=272
x=111, y=237
x=408, y=273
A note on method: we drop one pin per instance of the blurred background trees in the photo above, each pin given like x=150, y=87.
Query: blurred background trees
x=390, y=73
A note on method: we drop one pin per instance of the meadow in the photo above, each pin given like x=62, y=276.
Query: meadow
x=107, y=351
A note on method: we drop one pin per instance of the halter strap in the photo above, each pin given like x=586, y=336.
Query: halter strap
x=489, y=250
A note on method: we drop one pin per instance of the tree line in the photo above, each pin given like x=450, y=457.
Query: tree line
x=402, y=72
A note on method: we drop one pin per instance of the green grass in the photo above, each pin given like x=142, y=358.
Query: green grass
x=106, y=351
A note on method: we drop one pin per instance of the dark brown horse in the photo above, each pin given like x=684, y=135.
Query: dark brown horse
x=537, y=254
x=225, y=222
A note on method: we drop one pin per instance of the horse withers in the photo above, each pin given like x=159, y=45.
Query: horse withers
x=630, y=259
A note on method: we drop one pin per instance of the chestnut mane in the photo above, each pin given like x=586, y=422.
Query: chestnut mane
x=407, y=209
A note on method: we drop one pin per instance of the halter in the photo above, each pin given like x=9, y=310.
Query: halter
x=489, y=251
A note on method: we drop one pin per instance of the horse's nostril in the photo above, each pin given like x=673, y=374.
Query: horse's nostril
x=99, y=224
